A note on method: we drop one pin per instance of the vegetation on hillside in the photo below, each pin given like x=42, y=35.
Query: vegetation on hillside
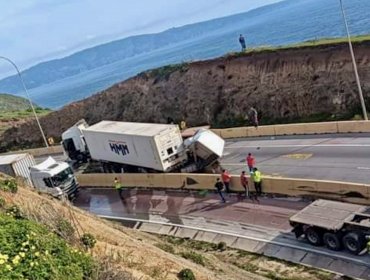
x=10, y=103
x=14, y=109
x=306, y=44
x=213, y=255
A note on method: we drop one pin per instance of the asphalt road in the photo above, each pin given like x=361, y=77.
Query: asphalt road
x=344, y=157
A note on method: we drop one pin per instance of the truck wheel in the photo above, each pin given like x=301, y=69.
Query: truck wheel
x=80, y=157
x=354, y=242
x=332, y=241
x=313, y=236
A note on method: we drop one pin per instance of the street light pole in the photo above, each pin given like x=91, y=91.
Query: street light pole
x=364, y=112
x=28, y=97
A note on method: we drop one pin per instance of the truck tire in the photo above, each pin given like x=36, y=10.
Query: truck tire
x=354, y=242
x=332, y=241
x=314, y=236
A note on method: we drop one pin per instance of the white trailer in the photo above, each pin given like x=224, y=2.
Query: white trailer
x=133, y=147
x=17, y=166
x=152, y=146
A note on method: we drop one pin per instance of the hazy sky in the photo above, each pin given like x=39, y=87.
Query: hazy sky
x=37, y=30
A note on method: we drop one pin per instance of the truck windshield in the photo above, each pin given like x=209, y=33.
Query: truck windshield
x=61, y=177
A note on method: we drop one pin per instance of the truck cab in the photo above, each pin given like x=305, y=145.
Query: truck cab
x=73, y=142
x=55, y=178
x=204, y=149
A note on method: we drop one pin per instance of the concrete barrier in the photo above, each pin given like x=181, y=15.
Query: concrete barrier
x=52, y=150
x=348, y=192
x=296, y=129
x=353, y=126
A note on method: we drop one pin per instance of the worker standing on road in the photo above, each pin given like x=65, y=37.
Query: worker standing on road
x=250, y=162
x=242, y=42
x=219, y=187
x=118, y=186
x=226, y=178
x=257, y=180
x=244, y=183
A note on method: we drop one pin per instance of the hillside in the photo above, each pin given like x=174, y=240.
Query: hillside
x=58, y=82
x=307, y=83
x=10, y=103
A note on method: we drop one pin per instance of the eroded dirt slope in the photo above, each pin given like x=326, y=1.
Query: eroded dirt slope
x=282, y=84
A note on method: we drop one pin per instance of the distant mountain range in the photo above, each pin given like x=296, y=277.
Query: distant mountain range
x=57, y=82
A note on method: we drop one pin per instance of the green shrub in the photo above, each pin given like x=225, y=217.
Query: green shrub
x=9, y=186
x=14, y=211
x=30, y=251
x=186, y=274
x=221, y=246
x=65, y=229
x=194, y=257
x=88, y=240
x=166, y=247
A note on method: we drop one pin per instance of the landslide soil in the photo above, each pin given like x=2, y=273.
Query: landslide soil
x=292, y=84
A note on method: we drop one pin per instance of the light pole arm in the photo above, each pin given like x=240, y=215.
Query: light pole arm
x=28, y=97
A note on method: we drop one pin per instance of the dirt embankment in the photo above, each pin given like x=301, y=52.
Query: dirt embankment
x=286, y=84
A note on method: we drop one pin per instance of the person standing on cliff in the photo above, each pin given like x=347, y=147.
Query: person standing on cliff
x=253, y=115
x=242, y=42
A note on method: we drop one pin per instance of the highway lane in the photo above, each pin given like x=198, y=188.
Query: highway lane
x=266, y=221
x=344, y=157
x=341, y=157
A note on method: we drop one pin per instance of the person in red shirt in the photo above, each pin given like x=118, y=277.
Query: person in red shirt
x=250, y=162
x=244, y=183
x=226, y=178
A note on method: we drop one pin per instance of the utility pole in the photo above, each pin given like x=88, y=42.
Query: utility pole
x=364, y=112
x=28, y=97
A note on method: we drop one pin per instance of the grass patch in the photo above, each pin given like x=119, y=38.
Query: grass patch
x=18, y=115
x=194, y=257
x=164, y=73
x=165, y=247
x=306, y=44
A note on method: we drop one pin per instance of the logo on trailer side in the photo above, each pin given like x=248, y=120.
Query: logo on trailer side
x=120, y=148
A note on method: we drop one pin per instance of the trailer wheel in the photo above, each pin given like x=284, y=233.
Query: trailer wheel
x=313, y=236
x=354, y=242
x=332, y=241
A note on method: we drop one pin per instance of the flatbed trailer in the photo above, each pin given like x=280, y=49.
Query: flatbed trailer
x=336, y=225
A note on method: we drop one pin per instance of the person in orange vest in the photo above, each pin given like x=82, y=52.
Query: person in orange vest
x=226, y=178
x=250, y=162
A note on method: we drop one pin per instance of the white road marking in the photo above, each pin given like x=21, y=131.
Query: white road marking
x=300, y=146
x=363, y=168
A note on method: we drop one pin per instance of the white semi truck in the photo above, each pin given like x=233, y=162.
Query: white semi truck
x=144, y=147
x=74, y=143
x=50, y=176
